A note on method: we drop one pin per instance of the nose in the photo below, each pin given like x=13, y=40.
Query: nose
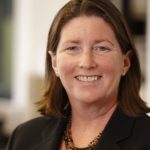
x=87, y=60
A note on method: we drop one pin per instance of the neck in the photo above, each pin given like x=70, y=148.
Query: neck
x=88, y=122
x=93, y=117
x=88, y=113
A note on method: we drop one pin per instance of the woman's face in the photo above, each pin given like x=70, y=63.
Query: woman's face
x=89, y=61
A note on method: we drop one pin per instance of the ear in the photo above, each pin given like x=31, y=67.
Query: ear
x=126, y=62
x=53, y=60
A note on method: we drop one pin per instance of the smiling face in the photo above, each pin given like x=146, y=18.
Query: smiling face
x=89, y=61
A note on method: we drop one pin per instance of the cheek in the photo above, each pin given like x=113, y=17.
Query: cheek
x=112, y=67
x=64, y=66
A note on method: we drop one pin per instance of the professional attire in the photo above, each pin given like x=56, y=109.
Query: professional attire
x=121, y=133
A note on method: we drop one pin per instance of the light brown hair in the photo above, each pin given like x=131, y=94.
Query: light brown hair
x=55, y=98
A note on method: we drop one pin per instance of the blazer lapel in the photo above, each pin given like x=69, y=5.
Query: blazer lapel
x=52, y=135
x=118, y=128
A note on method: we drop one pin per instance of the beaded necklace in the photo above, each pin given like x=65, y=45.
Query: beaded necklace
x=69, y=145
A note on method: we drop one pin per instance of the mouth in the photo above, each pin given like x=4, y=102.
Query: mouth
x=87, y=78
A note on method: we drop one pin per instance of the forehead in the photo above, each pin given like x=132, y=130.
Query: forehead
x=89, y=27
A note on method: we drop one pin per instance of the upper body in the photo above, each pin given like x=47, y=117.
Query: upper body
x=121, y=133
x=91, y=66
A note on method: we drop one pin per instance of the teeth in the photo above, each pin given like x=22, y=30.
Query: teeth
x=87, y=78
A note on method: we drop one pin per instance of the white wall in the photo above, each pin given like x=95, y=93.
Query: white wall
x=31, y=22
x=147, y=84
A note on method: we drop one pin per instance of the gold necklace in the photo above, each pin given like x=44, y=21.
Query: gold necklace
x=69, y=145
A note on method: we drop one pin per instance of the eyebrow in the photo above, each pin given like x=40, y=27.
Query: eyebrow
x=103, y=40
x=72, y=42
x=95, y=42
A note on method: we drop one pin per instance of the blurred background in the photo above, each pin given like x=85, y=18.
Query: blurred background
x=24, y=26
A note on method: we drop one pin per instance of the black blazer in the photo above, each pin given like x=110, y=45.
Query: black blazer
x=121, y=133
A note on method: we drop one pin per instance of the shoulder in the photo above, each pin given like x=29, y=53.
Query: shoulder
x=36, y=122
x=140, y=134
x=143, y=120
x=131, y=133
x=36, y=126
x=37, y=129
x=142, y=124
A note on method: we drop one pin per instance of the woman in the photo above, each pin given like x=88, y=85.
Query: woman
x=93, y=78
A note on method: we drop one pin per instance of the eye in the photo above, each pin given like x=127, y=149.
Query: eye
x=71, y=48
x=102, y=48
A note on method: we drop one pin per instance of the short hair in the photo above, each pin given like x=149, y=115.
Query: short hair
x=55, y=98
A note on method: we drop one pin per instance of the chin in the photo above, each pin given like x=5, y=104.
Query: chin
x=88, y=100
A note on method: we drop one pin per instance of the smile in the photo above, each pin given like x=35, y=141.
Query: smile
x=88, y=78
